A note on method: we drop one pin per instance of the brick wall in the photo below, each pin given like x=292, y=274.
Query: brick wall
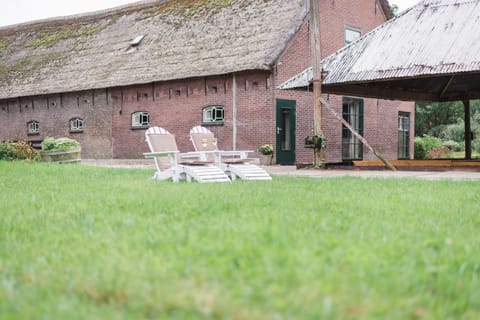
x=53, y=113
x=380, y=116
x=177, y=106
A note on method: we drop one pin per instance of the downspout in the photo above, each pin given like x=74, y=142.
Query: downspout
x=234, y=112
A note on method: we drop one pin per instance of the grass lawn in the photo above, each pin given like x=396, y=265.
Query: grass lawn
x=79, y=242
x=461, y=155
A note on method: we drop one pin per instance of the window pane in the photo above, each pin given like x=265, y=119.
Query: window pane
x=140, y=119
x=33, y=127
x=286, y=143
x=213, y=114
x=135, y=119
x=403, y=135
x=218, y=114
x=76, y=124
x=351, y=35
x=144, y=119
x=352, y=148
x=207, y=115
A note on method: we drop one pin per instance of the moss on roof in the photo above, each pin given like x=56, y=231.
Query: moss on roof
x=190, y=8
x=51, y=37
x=178, y=12
x=183, y=38
x=19, y=66
x=28, y=66
x=4, y=43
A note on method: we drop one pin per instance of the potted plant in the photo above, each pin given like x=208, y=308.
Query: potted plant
x=315, y=142
x=61, y=150
x=266, y=154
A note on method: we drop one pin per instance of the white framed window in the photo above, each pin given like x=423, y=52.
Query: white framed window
x=140, y=119
x=76, y=125
x=33, y=127
x=213, y=114
x=352, y=35
x=403, y=135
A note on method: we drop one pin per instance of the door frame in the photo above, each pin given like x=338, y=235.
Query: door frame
x=285, y=156
x=346, y=134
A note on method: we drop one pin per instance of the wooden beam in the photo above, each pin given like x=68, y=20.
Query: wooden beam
x=468, y=130
x=378, y=93
x=447, y=86
x=317, y=79
x=358, y=135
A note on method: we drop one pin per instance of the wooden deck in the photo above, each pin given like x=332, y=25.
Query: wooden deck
x=449, y=164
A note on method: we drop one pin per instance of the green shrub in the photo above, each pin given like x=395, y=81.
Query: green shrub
x=476, y=145
x=59, y=144
x=452, y=145
x=431, y=142
x=455, y=132
x=18, y=151
x=24, y=151
x=438, y=131
x=6, y=151
x=439, y=153
x=422, y=145
x=419, y=149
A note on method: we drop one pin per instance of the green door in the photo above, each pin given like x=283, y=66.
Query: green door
x=285, y=146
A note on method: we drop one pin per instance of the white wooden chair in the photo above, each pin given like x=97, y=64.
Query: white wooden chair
x=171, y=164
x=236, y=164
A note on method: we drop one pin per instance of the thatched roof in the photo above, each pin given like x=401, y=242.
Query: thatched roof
x=430, y=52
x=182, y=39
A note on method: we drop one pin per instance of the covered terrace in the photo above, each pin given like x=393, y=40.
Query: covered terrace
x=430, y=52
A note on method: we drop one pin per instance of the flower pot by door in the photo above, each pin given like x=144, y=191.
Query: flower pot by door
x=266, y=159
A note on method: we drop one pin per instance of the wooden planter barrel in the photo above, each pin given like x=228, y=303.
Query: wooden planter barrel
x=68, y=156
x=266, y=159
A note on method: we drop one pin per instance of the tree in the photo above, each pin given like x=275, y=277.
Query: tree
x=445, y=120
x=430, y=118
x=394, y=8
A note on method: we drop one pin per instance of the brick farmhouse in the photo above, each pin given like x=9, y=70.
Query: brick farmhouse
x=102, y=78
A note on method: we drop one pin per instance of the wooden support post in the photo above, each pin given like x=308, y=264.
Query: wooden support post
x=317, y=79
x=468, y=130
x=359, y=137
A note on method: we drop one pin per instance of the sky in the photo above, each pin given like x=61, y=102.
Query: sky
x=18, y=11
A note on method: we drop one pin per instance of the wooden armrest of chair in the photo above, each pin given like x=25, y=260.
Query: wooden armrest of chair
x=240, y=154
x=202, y=156
x=238, y=160
x=159, y=154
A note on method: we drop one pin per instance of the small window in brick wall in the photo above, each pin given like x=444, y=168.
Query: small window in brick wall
x=140, y=119
x=76, y=125
x=33, y=127
x=213, y=115
x=352, y=35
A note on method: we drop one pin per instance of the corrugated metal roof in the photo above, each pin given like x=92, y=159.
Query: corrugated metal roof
x=435, y=37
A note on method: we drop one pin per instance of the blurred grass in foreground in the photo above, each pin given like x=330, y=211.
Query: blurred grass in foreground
x=80, y=242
